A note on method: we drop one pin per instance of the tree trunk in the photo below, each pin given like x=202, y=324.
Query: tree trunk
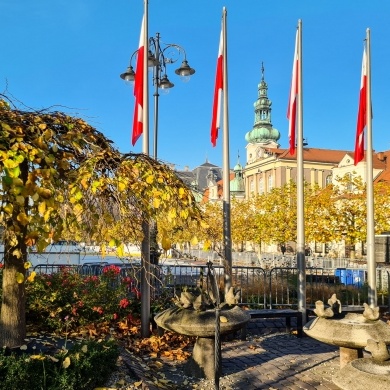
x=13, y=306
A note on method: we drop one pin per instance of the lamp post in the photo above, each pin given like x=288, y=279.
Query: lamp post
x=159, y=56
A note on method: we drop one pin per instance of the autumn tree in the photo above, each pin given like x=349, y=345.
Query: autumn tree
x=242, y=220
x=60, y=176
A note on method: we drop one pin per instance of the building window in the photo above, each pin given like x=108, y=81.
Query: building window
x=270, y=182
x=261, y=186
x=349, y=182
x=328, y=180
x=252, y=186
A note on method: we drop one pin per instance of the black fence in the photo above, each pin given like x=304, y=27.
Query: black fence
x=259, y=288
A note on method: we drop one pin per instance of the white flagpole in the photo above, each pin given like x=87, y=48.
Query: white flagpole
x=145, y=246
x=371, y=263
x=226, y=167
x=301, y=262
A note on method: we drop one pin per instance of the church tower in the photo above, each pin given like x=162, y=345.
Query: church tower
x=263, y=135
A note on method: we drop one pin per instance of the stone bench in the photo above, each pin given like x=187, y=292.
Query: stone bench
x=287, y=314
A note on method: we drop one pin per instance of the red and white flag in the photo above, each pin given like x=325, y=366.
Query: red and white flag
x=292, y=102
x=362, y=113
x=216, y=118
x=139, y=88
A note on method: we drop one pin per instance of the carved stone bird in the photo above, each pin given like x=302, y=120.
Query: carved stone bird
x=186, y=299
x=320, y=310
x=335, y=304
x=232, y=297
x=378, y=350
x=370, y=313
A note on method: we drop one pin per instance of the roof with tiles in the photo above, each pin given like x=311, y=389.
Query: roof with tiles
x=313, y=154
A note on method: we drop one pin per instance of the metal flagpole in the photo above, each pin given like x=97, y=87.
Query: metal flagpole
x=371, y=263
x=226, y=167
x=300, y=188
x=145, y=246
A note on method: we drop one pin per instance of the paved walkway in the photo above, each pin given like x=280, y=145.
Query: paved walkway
x=268, y=359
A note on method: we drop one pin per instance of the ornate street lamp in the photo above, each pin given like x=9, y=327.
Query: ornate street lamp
x=159, y=56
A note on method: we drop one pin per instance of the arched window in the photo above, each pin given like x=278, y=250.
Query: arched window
x=328, y=180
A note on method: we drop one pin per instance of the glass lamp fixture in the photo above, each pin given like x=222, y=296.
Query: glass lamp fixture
x=128, y=75
x=185, y=71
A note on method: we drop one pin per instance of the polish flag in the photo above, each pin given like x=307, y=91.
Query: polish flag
x=362, y=113
x=292, y=103
x=139, y=89
x=216, y=119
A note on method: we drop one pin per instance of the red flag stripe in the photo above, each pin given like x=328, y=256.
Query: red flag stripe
x=362, y=113
x=292, y=102
x=139, y=90
x=216, y=118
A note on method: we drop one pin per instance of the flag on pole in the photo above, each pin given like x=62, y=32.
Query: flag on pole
x=216, y=118
x=292, y=102
x=139, y=89
x=362, y=113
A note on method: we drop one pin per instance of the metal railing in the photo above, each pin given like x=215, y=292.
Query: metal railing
x=259, y=288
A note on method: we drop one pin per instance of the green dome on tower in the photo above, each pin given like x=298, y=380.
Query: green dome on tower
x=262, y=131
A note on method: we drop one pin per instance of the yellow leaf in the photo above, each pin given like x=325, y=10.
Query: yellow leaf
x=156, y=202
x=194, y=241
x=84, y=348
x=206, y=245
x=150, y=179
x=27, y=265
x=42, y=208
x=37, y=357
x=223, y=319
x=181, y=191
x=20, y=200
x=120, y=250
x=184, y=214
x=121, y=186
x=66, y=362
x=204, y=225
x=17, y=253
x=138, y=384
x=19, y=277
x=46, y=216
x=78, y=209
x=23, y=218
x=31, y=277
x=171, y=214
x=166, y=243
x=8, y=208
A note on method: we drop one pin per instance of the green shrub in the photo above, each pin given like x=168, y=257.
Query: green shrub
x=83, y=367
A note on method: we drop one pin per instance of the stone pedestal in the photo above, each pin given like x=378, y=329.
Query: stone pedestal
x=202, y=324
x=202, y=362
x=349, y=354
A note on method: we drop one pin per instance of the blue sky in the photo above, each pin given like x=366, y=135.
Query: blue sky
x=70, y=53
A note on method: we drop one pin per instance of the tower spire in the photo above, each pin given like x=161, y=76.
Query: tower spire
x=262, y=131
